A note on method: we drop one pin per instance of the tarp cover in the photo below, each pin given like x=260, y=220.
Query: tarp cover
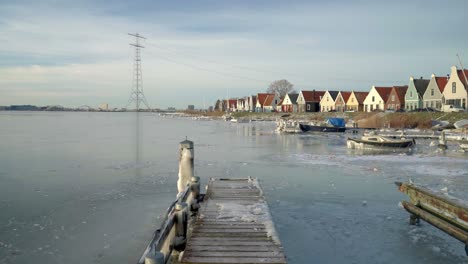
x=336, y=122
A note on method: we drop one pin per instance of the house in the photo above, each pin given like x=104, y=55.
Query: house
x=266, y=102
x=340, y=102
x=376, y=98
x=309, y=101
x=356, y=101
x=328, y=101
x=433, y=97
x=252, y=103
x=289, y=103
x=241, y=104
x=396, y=98
x=270, y=103
x=455, y=91
x=415, y=92
x=248, y=107
x=280, y=106
x=232, y=105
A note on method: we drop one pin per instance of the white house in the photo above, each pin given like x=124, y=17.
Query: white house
x=376, y=98
x=455, y=91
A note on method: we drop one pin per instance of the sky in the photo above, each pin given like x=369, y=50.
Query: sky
x=75, y=53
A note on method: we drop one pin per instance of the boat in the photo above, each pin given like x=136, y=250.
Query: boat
x=227, y=117
x=332, y=125
x=376, y=141
x=461, y=123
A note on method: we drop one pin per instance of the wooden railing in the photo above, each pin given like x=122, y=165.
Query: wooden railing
x=173, y=232
x=448, y=214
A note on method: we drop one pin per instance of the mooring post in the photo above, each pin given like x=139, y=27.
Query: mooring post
x=442, y=141
x=186, y=164
x=154, y=257
x=195, y=190
x=414, y=219
x=180, y=221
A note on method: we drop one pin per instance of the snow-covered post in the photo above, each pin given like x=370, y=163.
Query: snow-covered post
x=154, y=258
x=180, y=221
x=186, y=164
x=195, y=190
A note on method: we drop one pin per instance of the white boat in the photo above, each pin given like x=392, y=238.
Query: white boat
x=375, y=141
x=461, y=123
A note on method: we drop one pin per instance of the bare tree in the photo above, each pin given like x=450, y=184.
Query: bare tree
x=280, y=87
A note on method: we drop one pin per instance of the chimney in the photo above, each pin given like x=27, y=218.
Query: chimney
x=420, y=78
x=448, y=77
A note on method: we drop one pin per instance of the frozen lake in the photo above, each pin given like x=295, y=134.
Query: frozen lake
x=90, y=188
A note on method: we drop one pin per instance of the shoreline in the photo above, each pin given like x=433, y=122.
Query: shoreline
x=420, y=120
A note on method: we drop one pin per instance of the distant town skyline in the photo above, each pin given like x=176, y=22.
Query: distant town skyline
x=77, y=53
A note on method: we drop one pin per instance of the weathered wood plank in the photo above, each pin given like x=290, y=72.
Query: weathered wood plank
x=194, y=242
x=249, y=248
x=233, y=260
x=229, y=229
x=263, y=254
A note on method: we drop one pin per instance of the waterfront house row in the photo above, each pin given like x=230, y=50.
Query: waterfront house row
x=419, y=93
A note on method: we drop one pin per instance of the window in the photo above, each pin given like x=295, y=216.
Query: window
x=352, y=99
x=308, y=107
x=393, y=97
x=432, y=92
x=454, y=87
x=373, y=98
x=327, y=98
x=411, y=93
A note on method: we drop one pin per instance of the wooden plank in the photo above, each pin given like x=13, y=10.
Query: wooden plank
x=233, y=260
x=263, y=254
x=218, y=237
x=205, y=234
x=205, y=242
x=231, y=230
x=247, y=248
x=224, y=226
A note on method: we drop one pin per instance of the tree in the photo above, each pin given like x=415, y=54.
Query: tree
x=280, y=87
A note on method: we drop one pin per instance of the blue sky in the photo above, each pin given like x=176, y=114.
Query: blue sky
x=77, y=53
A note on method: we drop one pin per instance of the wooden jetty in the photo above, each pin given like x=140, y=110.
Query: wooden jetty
x=447, y=213
x=231, y=223
x=233, y=226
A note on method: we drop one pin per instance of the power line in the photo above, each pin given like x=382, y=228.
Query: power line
x=175, y=52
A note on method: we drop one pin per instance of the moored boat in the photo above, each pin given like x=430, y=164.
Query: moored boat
x=332, y=125
x=375, y=141
x=461, y=123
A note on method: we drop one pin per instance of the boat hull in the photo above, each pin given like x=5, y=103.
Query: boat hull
x=309, y=128
x=359, y=144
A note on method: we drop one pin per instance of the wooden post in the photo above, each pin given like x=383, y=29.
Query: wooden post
x=195, y=190
x=186, y=164
x=154, y=258
x=180, y=221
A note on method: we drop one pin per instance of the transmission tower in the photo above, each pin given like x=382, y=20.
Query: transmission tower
x=137, y=94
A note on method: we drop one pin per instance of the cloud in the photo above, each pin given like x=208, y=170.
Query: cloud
x=202, y=50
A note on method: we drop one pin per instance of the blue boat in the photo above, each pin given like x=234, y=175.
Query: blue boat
x=332, y=125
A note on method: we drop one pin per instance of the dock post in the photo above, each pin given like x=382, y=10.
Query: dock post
x=186, y=164
x=442, y=141
x=180, y=221
x=195, y=190
x=154, y=258
x=414, y=219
